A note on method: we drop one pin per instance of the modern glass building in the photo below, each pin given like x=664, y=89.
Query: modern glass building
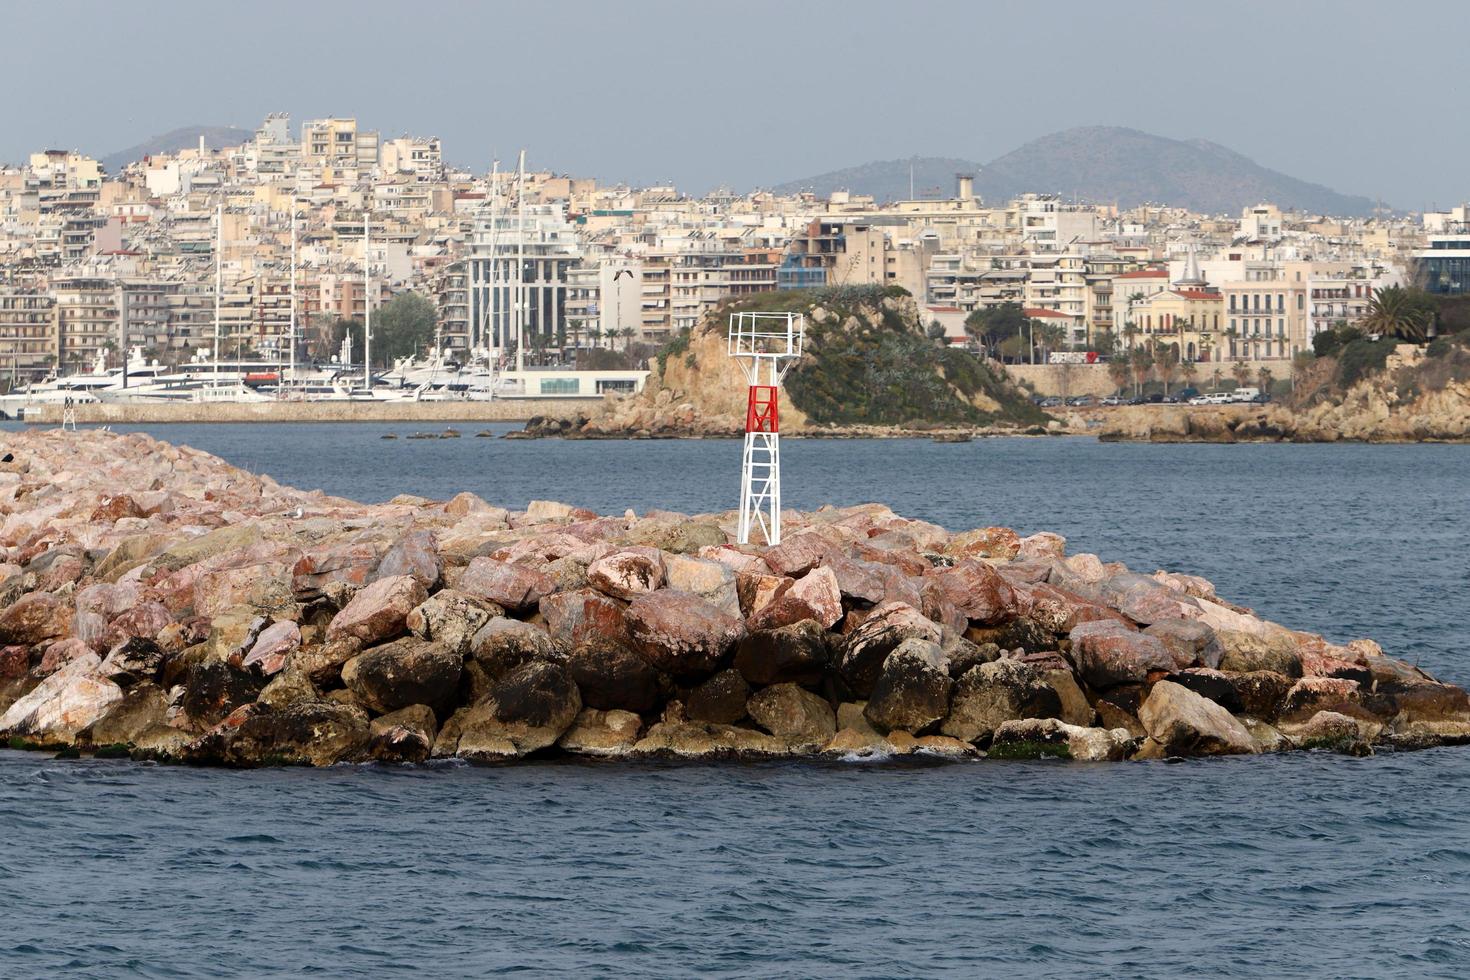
x=1445, y=264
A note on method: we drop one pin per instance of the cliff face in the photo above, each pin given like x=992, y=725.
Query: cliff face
x=867, y=362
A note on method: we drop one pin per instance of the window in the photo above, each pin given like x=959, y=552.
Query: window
x=560, y=386
x=1301, y=300
x=1280, y=302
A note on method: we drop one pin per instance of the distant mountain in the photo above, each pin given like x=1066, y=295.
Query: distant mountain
x=888, y=180
x=178, y=139
x=1106, y=164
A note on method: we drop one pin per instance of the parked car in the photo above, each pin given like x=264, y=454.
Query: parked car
x=1082, y=400
x=1154, y=399
x=1261, y=398
x=1113, y=400
x=1050, y=401
x=1244, y=394
x=1186, y=393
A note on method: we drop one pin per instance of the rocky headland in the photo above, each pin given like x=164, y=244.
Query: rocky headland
x=868, y=370
x=1414, y=394
x=158, y=603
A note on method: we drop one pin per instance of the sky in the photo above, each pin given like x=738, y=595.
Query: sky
x=1361, y=96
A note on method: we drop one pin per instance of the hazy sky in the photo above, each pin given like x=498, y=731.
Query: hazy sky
x=1366, y=97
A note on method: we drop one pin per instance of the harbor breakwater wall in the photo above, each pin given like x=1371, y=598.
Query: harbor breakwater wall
x=504, y=410
x=1067, y=380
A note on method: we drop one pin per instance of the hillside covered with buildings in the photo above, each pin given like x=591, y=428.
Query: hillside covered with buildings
x=162, y=252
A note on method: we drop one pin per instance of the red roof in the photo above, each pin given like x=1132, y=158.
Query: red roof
x=1144, y=274
x=1035, y=313
x=943, y=309
x=1197, y=293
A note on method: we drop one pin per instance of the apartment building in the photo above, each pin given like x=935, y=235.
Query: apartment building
x=337, y=148
x=28, y=348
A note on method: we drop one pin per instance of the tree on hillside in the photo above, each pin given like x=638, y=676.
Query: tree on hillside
x=1399, y=312
x=1264, y=377
x=1241, y=372
x=992, y=326
x=403, y=327
x=935, y=332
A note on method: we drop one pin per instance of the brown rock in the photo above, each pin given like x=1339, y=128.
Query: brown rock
x=798, y=653
x=1108, y=653
x=601, y=733
x=912, y=691
x=798, y=554
x=583, y=615
x=987, y=542
x=814, y=596
x=611, y=676
x=978, y=591
x=408, y=671
x=865, y=649
x=35, y=618
x=415, y=554
x=791, y=712
x=989, y=695
x=720, y=700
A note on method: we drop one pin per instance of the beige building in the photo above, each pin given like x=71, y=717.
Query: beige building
x=27, y=335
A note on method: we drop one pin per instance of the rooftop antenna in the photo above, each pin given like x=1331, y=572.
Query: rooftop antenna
x=765, y=345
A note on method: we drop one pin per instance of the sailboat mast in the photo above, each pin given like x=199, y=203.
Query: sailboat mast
x=219, y=278
x=520, y=304
x=292, y=374
x=367, y=306
x=490, y=312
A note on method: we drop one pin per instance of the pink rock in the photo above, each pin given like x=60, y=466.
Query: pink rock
x=978, y=591
x=506, y=584
x=64, y=703
x=574, y=617
x=14, y=662
x=858, y=579
x=799, y=554
x=379, y=611
x=146, y=620
x=343, y=565
x=1043, y=543
x=985, y=542
x=813, y=596
x=625, y=574
x=682, y=633
x=275, y=643
x=1108, y=653
x=59, y=654
x=416, y=554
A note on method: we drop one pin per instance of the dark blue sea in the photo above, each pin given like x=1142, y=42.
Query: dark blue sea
x=1305, y=865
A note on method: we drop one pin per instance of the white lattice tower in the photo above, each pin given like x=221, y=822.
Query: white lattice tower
x=68, y=415
x=765, y=345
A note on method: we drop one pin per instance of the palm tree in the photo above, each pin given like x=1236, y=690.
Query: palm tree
x=1264, y=379
x=1398, y=312
x=1166, y=361
x=1130, y=331
x=1241, y=372
x=1118, y=372
x=628, y=334
x=1216, y=376
x=595, y=334
x=1189, y=369
x=1141, y=360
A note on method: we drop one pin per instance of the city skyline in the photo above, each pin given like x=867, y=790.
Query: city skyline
x=655, y=92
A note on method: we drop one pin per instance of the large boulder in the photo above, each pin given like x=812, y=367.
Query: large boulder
x=450, y=618
x=581, y=615
x=504, y=644
x=720, y=700
x=978, y=591
x=601, y=733
x=611, y=676
x=1189, y=641
x=379, y=611
x=35, y=618
x=415, y=554
x=712, y=581
x=525, y=711
x=987, y=542
x=912, y=691
x=276, y=643
x=132, y=661
x=1040, y=738
x=309, y=733
x=989, y=695
x=865, y=649
x=798, y=653
x=681, y=633
x=1245, y=652
x=1108, y=653
x=798, y=554
x=405, y=735
x=62, y=704
x=125, y=720
x=508, y=585
x=791, y=712
x=408, y=671
x=626, y=574
x=213, y=689
x=814, y=596
x=1182, y=722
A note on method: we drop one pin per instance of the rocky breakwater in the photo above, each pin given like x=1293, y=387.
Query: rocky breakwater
x=158, y=603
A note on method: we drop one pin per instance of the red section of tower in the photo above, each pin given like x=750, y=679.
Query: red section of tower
x=760, y=410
